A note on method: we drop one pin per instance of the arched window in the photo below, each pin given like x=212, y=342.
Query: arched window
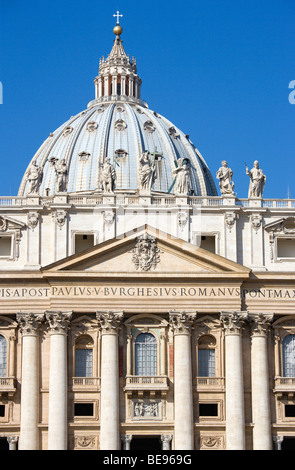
x=289, y=356
x=145, y=354
x=3, y=356
x=84, y=357
x=206, y=356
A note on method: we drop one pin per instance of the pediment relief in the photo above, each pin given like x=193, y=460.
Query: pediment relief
x=147, y=252
x=9, y=224
x=285, y=225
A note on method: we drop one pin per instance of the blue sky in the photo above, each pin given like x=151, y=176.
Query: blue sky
x=219, y=70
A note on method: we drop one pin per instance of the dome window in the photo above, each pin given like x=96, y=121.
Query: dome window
x=173, y=133
x=84, y=156
x=68, y=130
x=120, y=125
x=120, y=153
x=92, y=126
x=149, y=127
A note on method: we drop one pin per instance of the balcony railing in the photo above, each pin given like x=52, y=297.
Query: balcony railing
x=156, y=199
x=209, y=383
x=85, y=383
x=147, y=382
x=7, y=385
x=284, y=384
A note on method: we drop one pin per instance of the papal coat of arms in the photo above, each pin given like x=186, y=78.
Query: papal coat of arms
x=146, y=254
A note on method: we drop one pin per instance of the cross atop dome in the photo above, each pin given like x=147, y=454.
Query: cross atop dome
x=118, y=16
x=118, y=30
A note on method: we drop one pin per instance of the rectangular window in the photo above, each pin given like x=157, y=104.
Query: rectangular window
x=2, y=411
x=5, y=246
x=290, y=411
x=206, y=363
x=208, y=243
x=83, y=242
x=84, y=362
x=208, y=409
x=83, y=409
x=286, y=247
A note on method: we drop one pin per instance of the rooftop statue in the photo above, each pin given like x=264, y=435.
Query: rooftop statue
x=147, y=171
x=34, y=177
x=224, y=175
x=182, y=174
x=257, y=180
x=61, y=176
x=108, y=177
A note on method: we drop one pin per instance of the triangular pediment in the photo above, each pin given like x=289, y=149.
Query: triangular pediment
x=147, y=252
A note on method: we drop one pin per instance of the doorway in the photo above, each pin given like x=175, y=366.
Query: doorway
x=288, y=443
x=146, y=443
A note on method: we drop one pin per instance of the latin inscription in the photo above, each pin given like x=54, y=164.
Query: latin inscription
x=153, y=292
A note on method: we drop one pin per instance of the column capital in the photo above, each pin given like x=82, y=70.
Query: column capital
x=12, y=439
x=181, y=322
x=58, y=321
x=233, y=322
x=109, y=322
x=260, y=323
x=29, y=322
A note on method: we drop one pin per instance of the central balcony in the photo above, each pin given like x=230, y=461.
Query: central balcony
x=146, y=383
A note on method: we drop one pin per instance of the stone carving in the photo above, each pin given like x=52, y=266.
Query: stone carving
x=33, y=218
x=256, y=220
x=60, y=217
x=3, y=224
x=233, y=322
x=182, y=184
x=146, y=410
x=146, y=254
x=85, y=441
x=210, y=442
x=108, y=217
x=181, y=322
x=61, y=171
x=224, y=175
x=34, y=177
x=257, y=180
x=108, y=177
x=29, y=322
x=120, y=125
x=147, y=171
x=109, y=322
x=260, y=323
x=58, y=321
x=182, y=217
x=230, y=219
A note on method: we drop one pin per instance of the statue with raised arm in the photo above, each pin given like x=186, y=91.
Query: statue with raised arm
x=61, y=171
x=147, y=171
x=108, y=177
x=34, y=177
x=257, y=180
x=224, y=175
x=182, y=185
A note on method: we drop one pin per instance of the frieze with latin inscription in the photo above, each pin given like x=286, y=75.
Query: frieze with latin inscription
x=13, y=293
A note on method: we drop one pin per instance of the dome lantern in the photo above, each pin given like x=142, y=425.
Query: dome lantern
x=117, y=78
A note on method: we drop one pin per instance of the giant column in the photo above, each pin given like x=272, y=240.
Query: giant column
x=58, y=378
x=234, y=382
x=181, y=324
x=262, y=438
x=29, y=433
x=109, y=323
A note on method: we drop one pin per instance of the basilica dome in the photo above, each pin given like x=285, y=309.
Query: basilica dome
x=117, y=125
